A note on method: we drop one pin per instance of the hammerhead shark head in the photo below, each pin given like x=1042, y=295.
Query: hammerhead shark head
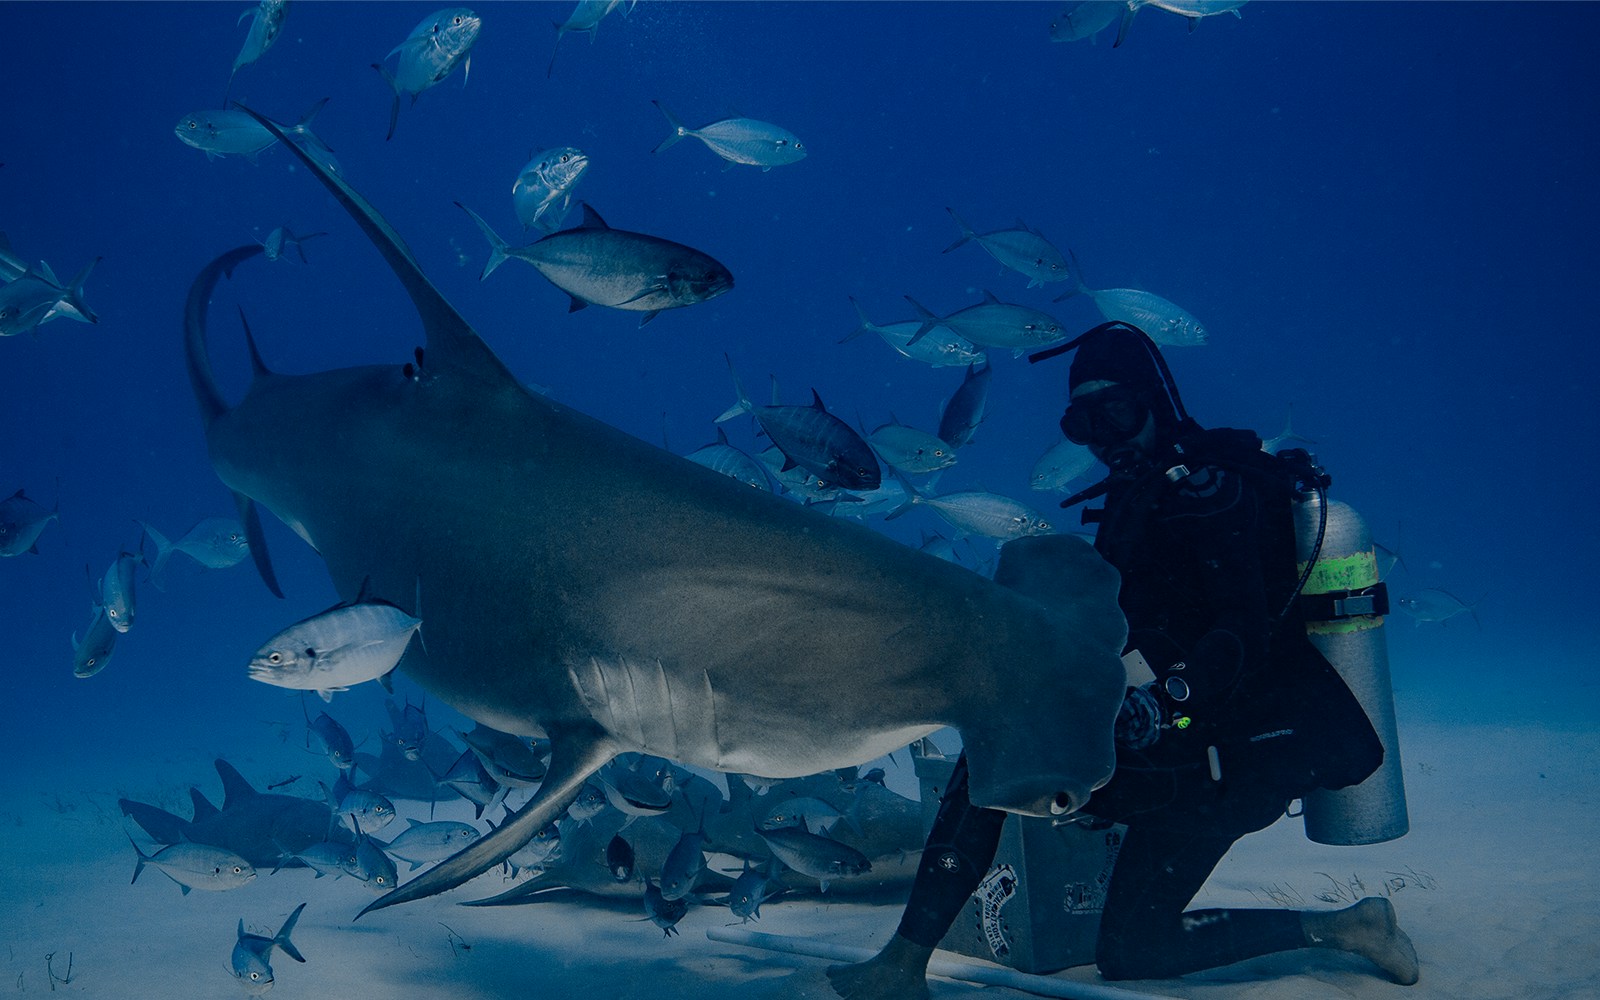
x=586, y=585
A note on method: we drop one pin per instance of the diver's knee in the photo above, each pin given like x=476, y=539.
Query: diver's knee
x=1116, y=963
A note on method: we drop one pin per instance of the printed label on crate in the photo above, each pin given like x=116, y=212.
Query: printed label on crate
x=1090, y=897
x=993, y=893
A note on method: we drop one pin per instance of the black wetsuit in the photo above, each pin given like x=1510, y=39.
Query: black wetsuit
x=1207, y=565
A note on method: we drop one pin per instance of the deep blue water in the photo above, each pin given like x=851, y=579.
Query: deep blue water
x=1384, y=213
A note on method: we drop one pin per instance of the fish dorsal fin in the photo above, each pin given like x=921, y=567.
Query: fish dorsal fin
x=234, y=788
x=449, y=337
x=414, y=822
x=990, y=298
x=816, y=401
x=591, y=218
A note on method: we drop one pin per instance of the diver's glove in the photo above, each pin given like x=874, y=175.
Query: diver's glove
x=1139, y=720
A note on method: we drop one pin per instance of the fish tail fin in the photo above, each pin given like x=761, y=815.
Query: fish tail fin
x=743, y=405
x=1127, y=22
x=866, y=326
x=394, y=108
x=497, y=246
x=281, y=939
x=561, y=30
x=163, y=553
x=74, y=295
x=304, y=124
x=1074, y=278
x=966, y=231
x=678, y=130
x=912, y=496
x=929, y=320
x=138, y=866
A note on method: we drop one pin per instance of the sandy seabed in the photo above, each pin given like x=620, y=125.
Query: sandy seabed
x=1496, y=883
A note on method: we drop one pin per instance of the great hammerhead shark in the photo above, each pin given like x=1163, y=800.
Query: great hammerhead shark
x=583, y=584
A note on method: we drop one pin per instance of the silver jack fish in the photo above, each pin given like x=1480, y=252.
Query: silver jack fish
x=116, y=591
x=594, y=263
x=196, y=866
x=264, y=30
x=542, y=192
x=812, y=438
x=226, y=132
x=214, y=542
x=252, y=954
x=739, y=140
x=91, y=655
x=22, y=521
x=434, y=48
x=343, y=646
x=584, y=19
x=1021, y=249
x=38, y=296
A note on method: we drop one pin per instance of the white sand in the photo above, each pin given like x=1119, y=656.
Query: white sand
x=1496, y=884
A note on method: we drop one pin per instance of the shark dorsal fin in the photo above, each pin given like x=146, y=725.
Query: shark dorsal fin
x=450, y=338
x=234, y=788
x=203, y=809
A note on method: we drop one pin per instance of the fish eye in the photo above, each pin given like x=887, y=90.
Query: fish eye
x=255, y=975
x=111, y=613
x=89, y=662
x=276, y=657
x=380, y=879
x=456, y=19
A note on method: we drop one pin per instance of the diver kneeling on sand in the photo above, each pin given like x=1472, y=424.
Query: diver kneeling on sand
x=1243, y=715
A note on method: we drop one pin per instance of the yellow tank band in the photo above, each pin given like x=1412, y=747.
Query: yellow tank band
x=1353, y=572
x=1344, y=626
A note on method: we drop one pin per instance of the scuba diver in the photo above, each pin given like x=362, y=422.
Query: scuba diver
x=1243, y=715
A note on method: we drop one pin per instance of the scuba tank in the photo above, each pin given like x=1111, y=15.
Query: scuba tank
x=1344, y=604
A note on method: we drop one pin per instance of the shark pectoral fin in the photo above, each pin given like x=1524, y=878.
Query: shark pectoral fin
x=257, y=540
x=576, y=752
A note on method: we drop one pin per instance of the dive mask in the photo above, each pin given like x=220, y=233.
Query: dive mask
x=1106, y=416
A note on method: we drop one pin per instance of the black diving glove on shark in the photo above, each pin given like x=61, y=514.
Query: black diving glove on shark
x=1214, y=663
x=1140, y=718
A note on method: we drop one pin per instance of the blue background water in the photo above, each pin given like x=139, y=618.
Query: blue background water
x=1385, y=214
